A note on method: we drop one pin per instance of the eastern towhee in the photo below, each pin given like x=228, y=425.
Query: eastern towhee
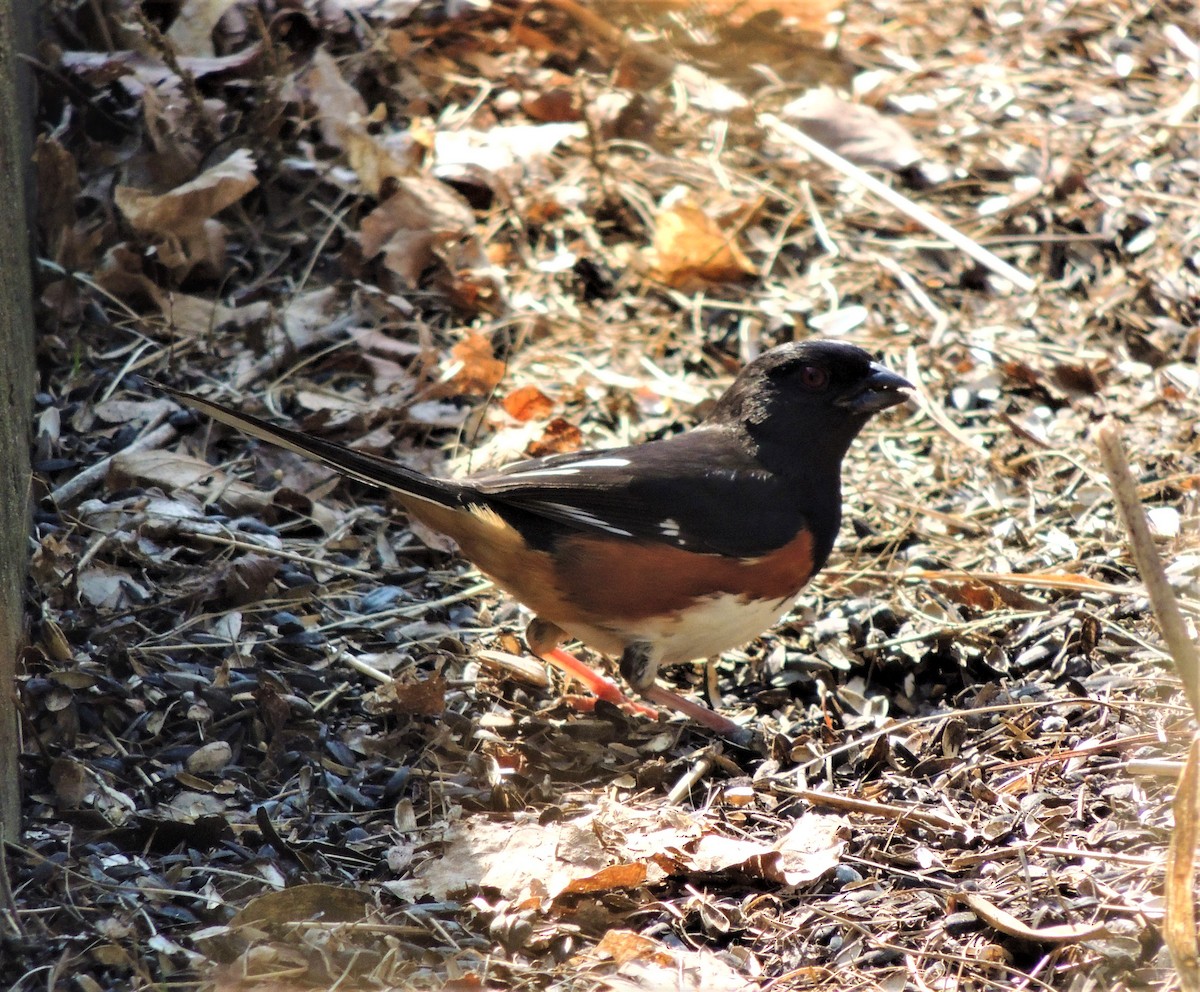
x=656, y=553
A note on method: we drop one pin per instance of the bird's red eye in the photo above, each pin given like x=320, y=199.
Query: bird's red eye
x=814, y=377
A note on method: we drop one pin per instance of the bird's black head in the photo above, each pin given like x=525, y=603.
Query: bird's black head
x=808, y=399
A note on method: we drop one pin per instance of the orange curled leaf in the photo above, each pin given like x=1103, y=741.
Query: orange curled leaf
x=626, y=876
x=528, y=403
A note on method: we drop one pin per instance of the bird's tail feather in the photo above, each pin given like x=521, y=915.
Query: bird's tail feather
x=370, y=469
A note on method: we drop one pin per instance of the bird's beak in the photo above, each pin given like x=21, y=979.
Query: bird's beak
x=880, y=389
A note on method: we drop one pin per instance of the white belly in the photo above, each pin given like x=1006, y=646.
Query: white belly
x=715, y=624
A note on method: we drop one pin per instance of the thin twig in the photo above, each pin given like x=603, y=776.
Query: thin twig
x=905, y=815
x=1149, y=565
x=902, y=203
x=77, y=485
x=694, y=774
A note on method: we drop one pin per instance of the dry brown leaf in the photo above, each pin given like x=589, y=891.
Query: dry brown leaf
x=646, y=834
x=502, y=855
x=166, y=469
x=974, y=595
x=715, y=853
x=248, y=578
x=343, y=117
x=426, y=697
x=338, y=104
x=372, y=339
x=479, y=370
x=108, y=588
x=1006, y=923
x=374, y=162
x=385, y=374
x=431, y=538
x=298, y=903
x=645, y=964
x=528, y=403
x=853, y=130
x=424, y=222
x=560, y=437
x=51, y=560
x=171, y=470
x=554, y=105
x=985, y=596
x=437, y=413
x=526, y=854
x=181, y=221
x=193, y=316
x=191, y=31
x=409, y=244
x=531, y=861
x=389, y=359
x=690, y=248
x=519, y=666
x=626, y=876
x=624, y=946
x=121, y=272
x=182, y=211
x=307, y=317
x=528, y=37
x=130, y=411
x=812, y=847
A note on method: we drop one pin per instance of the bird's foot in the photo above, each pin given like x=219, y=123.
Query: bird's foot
x=699, y=713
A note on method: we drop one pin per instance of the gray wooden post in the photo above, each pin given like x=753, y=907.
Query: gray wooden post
x=16, y=379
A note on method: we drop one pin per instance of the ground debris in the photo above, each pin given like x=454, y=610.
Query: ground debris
x=277, y=738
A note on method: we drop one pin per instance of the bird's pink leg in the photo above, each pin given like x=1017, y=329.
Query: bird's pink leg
x=601, y=687
x=543, y=638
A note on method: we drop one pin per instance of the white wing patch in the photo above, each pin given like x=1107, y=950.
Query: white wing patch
x=566, y=470
x=590, y=519
x=571, y=468
x=669, y=527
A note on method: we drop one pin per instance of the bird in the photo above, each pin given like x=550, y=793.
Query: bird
x=667, y=551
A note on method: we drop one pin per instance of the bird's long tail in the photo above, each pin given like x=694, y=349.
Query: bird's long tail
x=370, y=469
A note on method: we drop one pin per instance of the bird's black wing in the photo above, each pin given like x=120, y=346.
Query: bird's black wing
x=700, y=491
